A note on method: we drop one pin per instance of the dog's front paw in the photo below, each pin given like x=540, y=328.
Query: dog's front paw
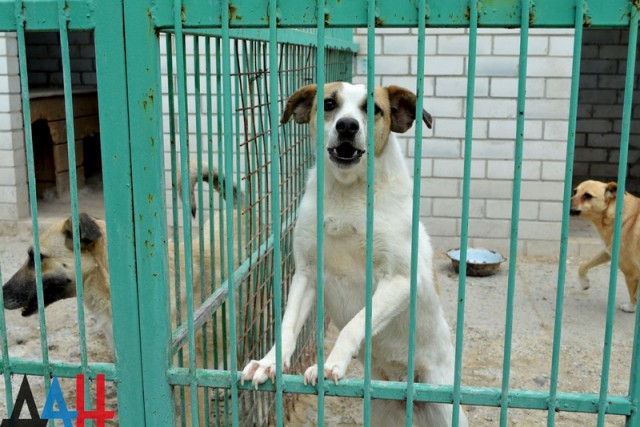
x=333, y=373
x=627, y=307
x=311, y=375
x=259, y=371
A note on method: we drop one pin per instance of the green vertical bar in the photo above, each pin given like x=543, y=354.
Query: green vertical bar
x=214, y=255
x=73, y=186
x=415, y=220
x=564, y=234
x=221, y=218
x=228, y=164
x=201, y=238
x=275, y=200
x=622, y=176
x=174, y=211
x=466, y=195
x=634, y=377
x=118, y=199
x=238, y=174
x=73, y=182
x=183, y=130
x=262, y=337
x=371, y=43
x=6, y=363
x=515, y=207
x=263, y=151
x=244, y=309
x=26, y=117
x=320, y=80
x=149, y=208
x=241, y=312
x=209, y=103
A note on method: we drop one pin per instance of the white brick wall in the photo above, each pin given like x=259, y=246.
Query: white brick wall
x=446, y=65
x=13, y=172
x=494, y=129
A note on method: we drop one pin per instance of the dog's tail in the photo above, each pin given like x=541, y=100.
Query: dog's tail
x=209, y=174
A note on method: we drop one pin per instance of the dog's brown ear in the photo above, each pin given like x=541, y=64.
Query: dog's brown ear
x=610, y=191
x=89, y=230
x=403, y=109
x=299, y=105
x=427, y=119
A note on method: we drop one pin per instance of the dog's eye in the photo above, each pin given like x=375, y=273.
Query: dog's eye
x=376, y=109
x=329, y=105
x=586, y=197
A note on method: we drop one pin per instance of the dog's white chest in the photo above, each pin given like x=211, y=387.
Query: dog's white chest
x=339, y=227
x=344, y=246
x=345, y=261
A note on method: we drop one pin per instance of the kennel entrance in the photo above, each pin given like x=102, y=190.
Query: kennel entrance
x=225, y=111
x=47, y=108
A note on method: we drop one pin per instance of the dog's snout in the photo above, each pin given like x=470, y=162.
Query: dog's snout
x=347, y=126
x=17, y=291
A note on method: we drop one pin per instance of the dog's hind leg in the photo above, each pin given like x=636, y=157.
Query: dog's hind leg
x=187, y=416
x=388, y=413
x=600, y=258
x=632, y=287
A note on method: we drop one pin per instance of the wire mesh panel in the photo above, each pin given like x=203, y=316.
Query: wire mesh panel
x=195, y=94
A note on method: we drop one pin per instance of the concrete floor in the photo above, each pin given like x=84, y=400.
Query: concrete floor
x=533, y=322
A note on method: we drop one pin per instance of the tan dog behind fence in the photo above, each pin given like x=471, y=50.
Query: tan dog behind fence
x=59, y=277
x=595, y=202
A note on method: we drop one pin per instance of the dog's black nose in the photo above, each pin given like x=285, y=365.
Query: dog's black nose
x=347, y=126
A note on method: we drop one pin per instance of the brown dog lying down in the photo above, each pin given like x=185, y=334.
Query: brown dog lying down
x=59, y=277
x=595, y=202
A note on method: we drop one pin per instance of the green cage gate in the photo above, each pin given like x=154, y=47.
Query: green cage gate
x=197, y=88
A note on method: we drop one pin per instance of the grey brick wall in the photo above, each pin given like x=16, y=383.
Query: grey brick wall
x=44, y=59
x=599, y=116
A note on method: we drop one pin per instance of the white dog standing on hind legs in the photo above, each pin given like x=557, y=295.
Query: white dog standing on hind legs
x=344, y=253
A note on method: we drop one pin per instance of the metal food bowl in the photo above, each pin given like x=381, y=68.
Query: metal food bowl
x=480, y=261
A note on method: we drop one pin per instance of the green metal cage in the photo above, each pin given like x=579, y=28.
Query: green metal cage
x=201, y=84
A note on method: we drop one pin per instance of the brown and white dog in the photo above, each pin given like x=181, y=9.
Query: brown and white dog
x=595, y=202
x=345, y=208
x=59, y=276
